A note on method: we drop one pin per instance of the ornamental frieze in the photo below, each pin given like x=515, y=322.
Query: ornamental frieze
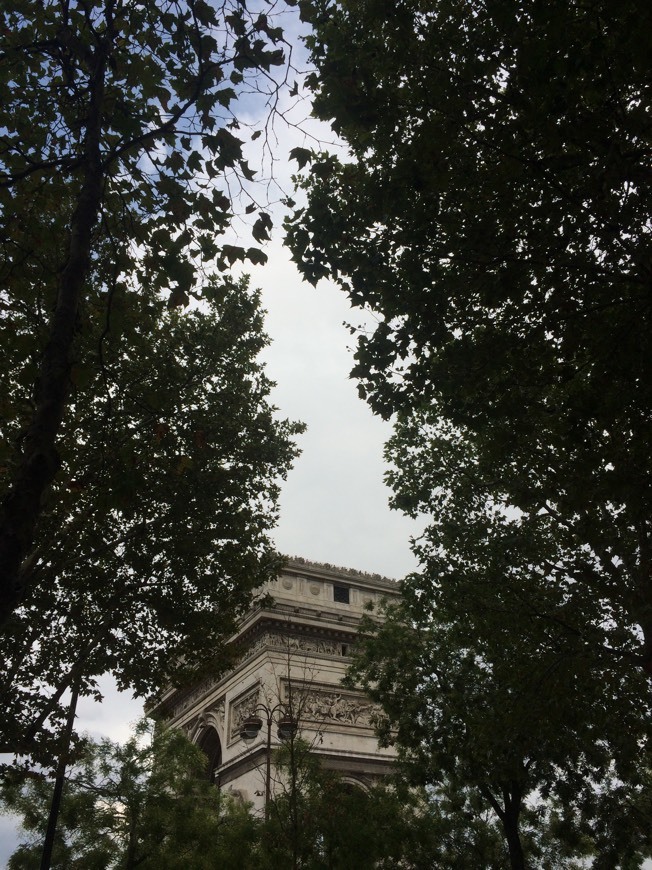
x=322, y=705
x=199, y=691
x=296, y=643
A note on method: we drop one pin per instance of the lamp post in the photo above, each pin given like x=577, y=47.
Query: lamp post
x=250, y=729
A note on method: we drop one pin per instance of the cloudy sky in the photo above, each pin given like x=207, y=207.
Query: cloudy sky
x=334, y=503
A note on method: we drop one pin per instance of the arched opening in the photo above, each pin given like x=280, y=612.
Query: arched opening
x=349, y=786
x=210, y=745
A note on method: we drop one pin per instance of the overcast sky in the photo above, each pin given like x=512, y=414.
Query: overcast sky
x=334, y=503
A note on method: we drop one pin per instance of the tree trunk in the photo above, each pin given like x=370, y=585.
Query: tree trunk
x=509, y=819
x=644, y=593
x=39, y=460
x=132, y=859
x=59, y=783
x=509, y=813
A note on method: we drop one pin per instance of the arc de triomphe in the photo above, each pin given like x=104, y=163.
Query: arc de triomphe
x=293, y=648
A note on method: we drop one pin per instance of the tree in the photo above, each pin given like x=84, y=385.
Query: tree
x=143, y=804
x=156, y=530
x=140, y=438
x=516, y=724
x=494, y=211
x=115, y=121
x=318, y=821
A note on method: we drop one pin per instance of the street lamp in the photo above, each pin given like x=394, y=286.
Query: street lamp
x=250, y=729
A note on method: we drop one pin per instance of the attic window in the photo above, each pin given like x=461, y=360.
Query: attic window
x=341, y=594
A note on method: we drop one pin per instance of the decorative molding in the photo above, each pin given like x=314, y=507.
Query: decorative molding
x=294, y=562
x=189, y=728
x=211, y=717
x=214, y=715
x=188, y=700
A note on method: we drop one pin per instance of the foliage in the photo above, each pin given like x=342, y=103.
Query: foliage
x=139, y=456
x=514, y=723
x=614, y=819
x=120, y=165
x=143, y=804
x=148, y=803
x=156, y=529
x=318, y=821
x=494, y=211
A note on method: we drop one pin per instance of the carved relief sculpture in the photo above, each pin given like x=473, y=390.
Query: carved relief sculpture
x=241, y=710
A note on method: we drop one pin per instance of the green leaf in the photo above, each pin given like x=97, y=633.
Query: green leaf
x=303, y=156
x=224, y=96
x=232, y=253
x=229, y=146
x=262, y=227
x=256, y=256
x=247, y=171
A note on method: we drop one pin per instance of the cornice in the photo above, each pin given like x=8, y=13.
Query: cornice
x=299, y=565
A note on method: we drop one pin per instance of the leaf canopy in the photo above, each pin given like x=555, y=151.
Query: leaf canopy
x=156, y=530
x=495, y=213
x=119, y=173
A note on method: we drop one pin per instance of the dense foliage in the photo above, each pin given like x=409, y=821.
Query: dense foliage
x=149, y=803
x=157, y=528
x=320, y=821
x=140, y=459
x=494, y=211
x=119, y=171
x=517, y=725
x=143, y=804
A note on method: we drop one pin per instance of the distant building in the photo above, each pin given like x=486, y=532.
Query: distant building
x=295, y=647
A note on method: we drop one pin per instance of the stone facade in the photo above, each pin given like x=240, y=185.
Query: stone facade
x=293, y=650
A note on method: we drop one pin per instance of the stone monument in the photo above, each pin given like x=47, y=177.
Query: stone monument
x=293, y=650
